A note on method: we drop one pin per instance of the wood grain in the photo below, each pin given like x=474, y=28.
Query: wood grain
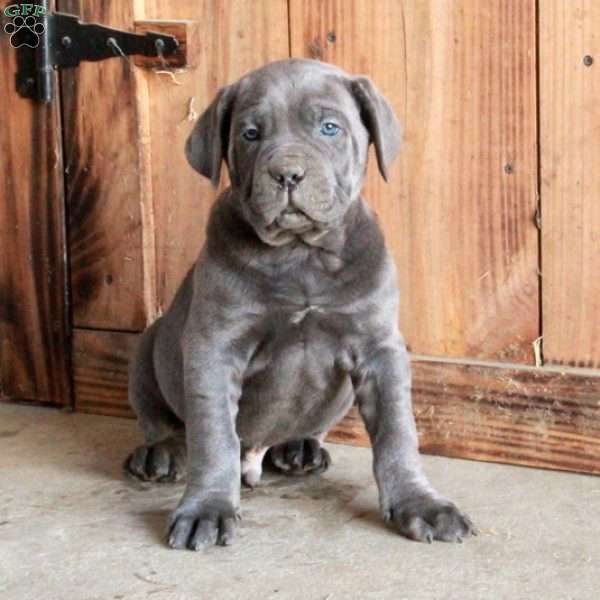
x=570, y=175
x=110, y=238
x=459, y=212
x=536, y=417
x=532, y=417
x=34, y=324
x=100, y=362
x=235, y=37
x=187, y=33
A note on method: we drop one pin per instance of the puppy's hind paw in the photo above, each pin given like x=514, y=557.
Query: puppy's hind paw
x=163, y=462
x=300, y=457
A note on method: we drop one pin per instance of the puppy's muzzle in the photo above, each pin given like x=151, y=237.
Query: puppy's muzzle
x=288, y=172
x=292, y=193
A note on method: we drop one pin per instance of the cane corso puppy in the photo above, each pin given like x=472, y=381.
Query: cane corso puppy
x=289, y=315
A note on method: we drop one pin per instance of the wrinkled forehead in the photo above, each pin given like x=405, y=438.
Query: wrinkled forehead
x=290, y=86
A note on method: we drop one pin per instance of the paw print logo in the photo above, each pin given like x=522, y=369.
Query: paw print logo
x=24, y=31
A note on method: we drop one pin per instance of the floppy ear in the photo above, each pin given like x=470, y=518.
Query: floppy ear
x=380, y=121
x=206, y=147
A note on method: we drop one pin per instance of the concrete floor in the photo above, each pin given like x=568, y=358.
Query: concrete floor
x=72, y=528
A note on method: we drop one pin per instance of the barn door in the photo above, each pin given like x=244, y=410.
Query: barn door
x=490, y=212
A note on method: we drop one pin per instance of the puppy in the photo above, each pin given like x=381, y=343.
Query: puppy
x=289, y=315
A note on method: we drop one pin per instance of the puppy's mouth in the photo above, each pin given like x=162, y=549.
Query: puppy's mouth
x=291, y=225
x=293, y=220
x=305, y=211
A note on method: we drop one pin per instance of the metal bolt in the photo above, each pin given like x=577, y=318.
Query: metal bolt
x=588, y=60
x=66, y=41
x=331, y=37
x=508, y=168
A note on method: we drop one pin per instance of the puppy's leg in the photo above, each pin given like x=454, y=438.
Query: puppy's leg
x=301, y=457
x=209, y=507
x=162, y=457
x=407, y=499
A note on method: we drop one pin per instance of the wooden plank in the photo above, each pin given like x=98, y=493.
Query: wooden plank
x=235, y=37
x=459, y=212
x=570, y=175
x=100, y=362
x=187, y=34
x=536, y=417
x=110, y=230
x=34, y=336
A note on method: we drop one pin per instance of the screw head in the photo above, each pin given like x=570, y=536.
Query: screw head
x=508, y=168
x=331, y=37
x=66, y=41
x=588, y=60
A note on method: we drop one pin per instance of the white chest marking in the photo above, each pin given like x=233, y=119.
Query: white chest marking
x=299, y=315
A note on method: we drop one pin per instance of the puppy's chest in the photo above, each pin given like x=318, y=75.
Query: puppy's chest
x=307, y=321
x=309, y=317
x=301, y=349
x=309, y=289
x=297, y=317
x=314, y=304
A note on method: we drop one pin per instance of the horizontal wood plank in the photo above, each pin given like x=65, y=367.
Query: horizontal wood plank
x=100, y=363
x=534, y=417
x=187, y=34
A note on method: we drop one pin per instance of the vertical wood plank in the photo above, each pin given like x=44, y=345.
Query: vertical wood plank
x=570, y=167
x=34, y=337
x=236, y=37
x=459, y=212
x=107, y=184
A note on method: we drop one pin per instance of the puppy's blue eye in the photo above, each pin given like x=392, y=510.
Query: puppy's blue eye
x=251, y=134
x=330, y=128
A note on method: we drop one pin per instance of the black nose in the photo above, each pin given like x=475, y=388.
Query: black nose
x=287, y=175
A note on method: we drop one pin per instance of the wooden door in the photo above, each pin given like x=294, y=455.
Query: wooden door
x=490, y=212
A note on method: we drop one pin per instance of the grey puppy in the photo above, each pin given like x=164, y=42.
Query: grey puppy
x=289, y=316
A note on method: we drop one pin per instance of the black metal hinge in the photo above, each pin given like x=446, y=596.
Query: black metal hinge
x=50, y=41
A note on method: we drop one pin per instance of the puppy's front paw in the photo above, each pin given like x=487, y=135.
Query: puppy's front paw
x=300, y=457
x=195, y=524
x=424, y=518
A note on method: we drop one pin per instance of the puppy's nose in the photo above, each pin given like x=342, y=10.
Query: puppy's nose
x=287, y=175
